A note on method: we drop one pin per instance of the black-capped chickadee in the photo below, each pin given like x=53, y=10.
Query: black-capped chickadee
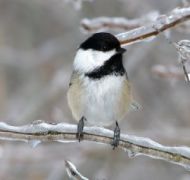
x=99, y=91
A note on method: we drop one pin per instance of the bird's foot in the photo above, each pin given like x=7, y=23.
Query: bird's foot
x=116, y=136
x=80, y=127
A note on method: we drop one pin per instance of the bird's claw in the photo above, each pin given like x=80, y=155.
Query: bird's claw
x=116, y=136
x=80, y=127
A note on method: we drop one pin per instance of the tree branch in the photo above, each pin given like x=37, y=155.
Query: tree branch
x=161, y=24
x=153, y=26
x=40, y=131
x=115, y=23
x=72, y=172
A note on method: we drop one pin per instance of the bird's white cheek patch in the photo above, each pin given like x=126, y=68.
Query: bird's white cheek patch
x=88, y=60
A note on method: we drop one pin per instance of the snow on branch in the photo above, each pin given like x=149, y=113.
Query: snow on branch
x=72, y=171
x=40, y=131
x=115, y=23
x=161, y=24
x=183, y=48
x=145, y=32
x=173, y=72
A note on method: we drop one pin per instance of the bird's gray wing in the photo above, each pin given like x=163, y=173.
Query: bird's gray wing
x=73, y=77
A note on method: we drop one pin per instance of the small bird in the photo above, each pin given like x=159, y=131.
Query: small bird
x=99, y=91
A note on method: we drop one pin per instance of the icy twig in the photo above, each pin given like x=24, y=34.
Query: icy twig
x=161, y=24
x=40, y=131
x=183, y=49
x=187, y=75
x=72, y=172
x=115, y=23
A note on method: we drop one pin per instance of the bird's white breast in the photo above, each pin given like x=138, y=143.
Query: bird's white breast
x=100, y=99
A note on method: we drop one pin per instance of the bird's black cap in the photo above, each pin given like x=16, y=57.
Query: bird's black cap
x=102, y=41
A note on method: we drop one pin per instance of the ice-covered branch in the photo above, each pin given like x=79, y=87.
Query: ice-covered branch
x=116, y=23
x=150, y=25
x=174, y=72
x=161, y=24
x=40, y=131
x=183, y=48
x=72, y=172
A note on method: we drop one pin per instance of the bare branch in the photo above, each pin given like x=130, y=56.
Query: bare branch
x=161, y=24
x=41, y=132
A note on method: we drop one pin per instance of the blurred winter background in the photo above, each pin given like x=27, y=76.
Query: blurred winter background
x=38, y=40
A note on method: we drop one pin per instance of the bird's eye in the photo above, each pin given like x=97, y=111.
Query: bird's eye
x=104, y=48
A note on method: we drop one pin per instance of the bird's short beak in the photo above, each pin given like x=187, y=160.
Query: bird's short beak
x=121, y=50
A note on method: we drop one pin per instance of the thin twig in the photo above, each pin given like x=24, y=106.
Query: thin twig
x=183, y=49
x=41, y=132
x=72, y=172
x=185, y=73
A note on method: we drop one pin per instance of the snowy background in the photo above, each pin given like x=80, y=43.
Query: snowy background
x=38, y=40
